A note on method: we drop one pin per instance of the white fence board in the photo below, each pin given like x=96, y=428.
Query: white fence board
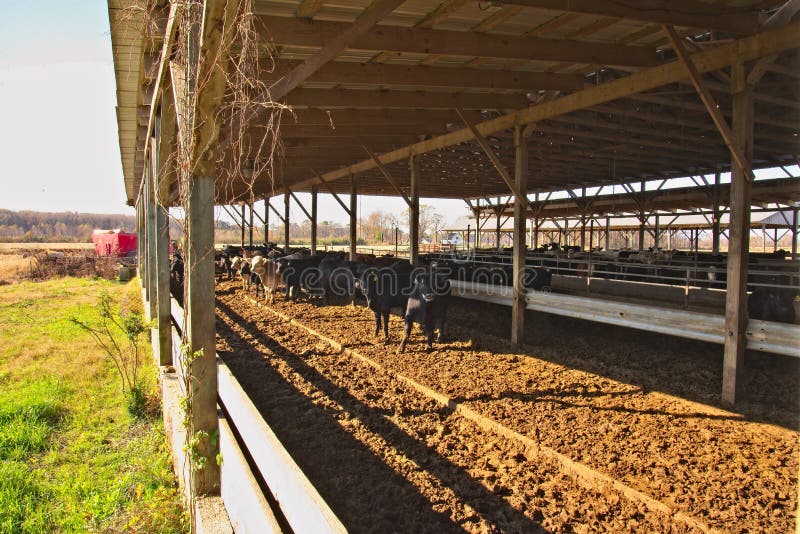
x=761, y=335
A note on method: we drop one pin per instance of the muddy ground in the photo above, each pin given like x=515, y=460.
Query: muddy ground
x=638, y=407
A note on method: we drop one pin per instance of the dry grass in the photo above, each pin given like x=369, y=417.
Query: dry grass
x=5, y=247
x=13, y=267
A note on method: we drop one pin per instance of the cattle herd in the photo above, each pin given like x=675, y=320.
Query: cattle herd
x=422, y=294
x=385, y=282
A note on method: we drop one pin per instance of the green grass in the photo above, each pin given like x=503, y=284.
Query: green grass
x=71, y=458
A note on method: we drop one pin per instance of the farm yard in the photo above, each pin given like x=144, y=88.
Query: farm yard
x=652, y=451
x=591, y=368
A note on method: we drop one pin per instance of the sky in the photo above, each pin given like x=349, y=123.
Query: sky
x=59, y=144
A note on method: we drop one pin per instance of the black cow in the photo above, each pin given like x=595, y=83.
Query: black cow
x=337, y=279
x=176, y=276
x=386, y=288
x=299, y=272
x=427, y=306
x=772, y=304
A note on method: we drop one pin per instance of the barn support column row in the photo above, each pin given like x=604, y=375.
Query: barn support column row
x=520, y=209
x=739, y=241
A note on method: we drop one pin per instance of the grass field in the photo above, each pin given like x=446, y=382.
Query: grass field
x=71, y=458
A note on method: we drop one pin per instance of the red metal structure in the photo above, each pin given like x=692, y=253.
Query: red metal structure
x=114, y=243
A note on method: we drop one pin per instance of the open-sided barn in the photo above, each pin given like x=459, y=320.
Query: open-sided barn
x=229, y=102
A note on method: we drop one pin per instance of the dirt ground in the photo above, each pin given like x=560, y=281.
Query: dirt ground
x=637, y=407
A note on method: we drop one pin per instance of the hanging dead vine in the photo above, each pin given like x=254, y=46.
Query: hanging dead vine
x=234, y=135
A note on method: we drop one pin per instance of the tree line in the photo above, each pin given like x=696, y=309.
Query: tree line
x=378, y=227
x=70, y=227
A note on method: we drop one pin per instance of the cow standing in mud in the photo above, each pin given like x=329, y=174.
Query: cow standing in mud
x=427, y=306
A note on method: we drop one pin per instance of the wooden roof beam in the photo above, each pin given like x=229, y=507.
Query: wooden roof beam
x=308, y=8
x=301, y=32
x=442, y=11
x=708, y=100
x=689, y=13
x=333, y=47
x=356, y=98
x=490, y=153
x=338, y=117
x=354, y=130
x=345, y=72
x=388, y=175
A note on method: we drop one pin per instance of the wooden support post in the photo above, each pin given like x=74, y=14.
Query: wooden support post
x=497, y=213
x=266, y=219
x=608, y=233
x=739, y=240
x=286, y=221
x=794, y=233
x=145, y=268
x=775, y=240
x=477, y=228
x=162, y=253
x=583, y=218
x=243, y=225
x=715, y=230
x=152, y=295
x=139, y=241
x=200, y=330
x=353, y=217
x=657, y=233
x=591, y=234
x=413, y=212
x=250, y=240
x=314, y=191
x=520, y=209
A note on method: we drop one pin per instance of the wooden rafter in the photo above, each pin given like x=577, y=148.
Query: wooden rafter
x=332, y=192
x=308, y=8
x=442, y=11
x=276, y=212
x=333, y=47
x=381, y=74
x=705, y=96
x=305, y=211
x=354, y=98
x=498, y=165
x=691, y=13
x=388, y=175
x=301, y=32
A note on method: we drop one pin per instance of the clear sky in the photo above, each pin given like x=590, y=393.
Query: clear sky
x=58, y=143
